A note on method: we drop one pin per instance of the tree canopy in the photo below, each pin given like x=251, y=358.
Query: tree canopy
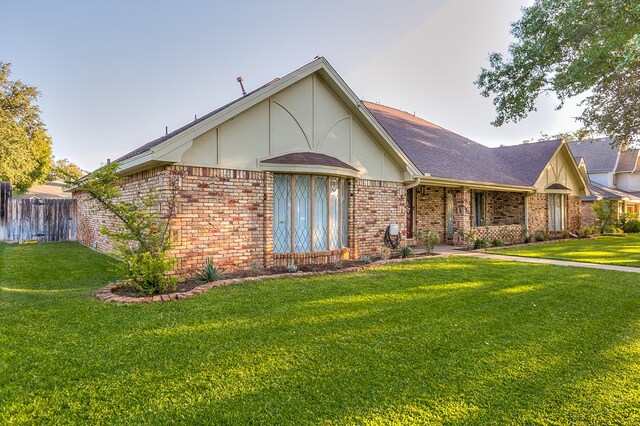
x=572, y=47
x=25, y=146
x=65, y=170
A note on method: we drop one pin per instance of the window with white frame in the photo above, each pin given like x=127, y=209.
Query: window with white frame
x=557, y=206
x=309, y=213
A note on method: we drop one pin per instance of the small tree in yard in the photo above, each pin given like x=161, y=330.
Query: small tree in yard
x=604, y=214
x=141, y=235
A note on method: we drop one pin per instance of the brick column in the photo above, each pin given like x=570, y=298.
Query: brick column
x=461, y=214
x=267, y=206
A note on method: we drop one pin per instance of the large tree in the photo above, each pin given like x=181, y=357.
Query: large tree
x=25, y=146
x=572, y=47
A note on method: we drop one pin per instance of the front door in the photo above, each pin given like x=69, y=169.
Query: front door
x=410, y=210
x=449, y=206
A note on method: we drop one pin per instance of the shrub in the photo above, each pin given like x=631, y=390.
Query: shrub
x=497, y=243
x=148, y=272
x=631, y=226
x=470, y=238
x=365, y=259
x=566, y=234
x=140, y=231
x=585, y=232
x=524, y=234
x=255, y=267
x=540, y=235
x=405, y=251
x=427, y=239
x=480, y=243
x=604, y=214
x=292, y=267
x=385, y=252
x=209, y=272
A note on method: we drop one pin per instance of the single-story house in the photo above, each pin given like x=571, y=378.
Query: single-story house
x=303, y=171
x=612, y=174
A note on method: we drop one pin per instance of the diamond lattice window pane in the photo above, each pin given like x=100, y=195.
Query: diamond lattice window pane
x=302, y=213
x=320, y=225
x=281, y=213
x=334, y=214
x=345, y=205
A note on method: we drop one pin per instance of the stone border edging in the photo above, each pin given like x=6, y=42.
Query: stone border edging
x=106, y=293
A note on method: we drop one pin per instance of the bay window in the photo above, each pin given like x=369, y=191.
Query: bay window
x=309, y=213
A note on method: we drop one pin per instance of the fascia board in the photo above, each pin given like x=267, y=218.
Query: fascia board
x=435, y=181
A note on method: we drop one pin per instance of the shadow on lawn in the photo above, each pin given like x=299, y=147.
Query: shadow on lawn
x=449, y=349
x=449, y=340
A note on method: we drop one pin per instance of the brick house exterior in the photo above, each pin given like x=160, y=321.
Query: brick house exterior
x=302, y=171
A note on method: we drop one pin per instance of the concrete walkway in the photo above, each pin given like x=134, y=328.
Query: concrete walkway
x=448, y=250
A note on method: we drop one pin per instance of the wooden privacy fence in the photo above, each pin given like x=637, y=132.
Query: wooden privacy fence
x=35, y=219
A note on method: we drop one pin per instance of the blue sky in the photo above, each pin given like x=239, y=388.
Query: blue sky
x=113, y=74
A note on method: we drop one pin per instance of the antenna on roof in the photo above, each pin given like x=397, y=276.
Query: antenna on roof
x=239, y=80
x=166, y=130
x=195, y=117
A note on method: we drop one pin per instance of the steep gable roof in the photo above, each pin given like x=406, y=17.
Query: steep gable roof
x=166, y=149
x=627, y=161
x=442, y=153
x=599, y=156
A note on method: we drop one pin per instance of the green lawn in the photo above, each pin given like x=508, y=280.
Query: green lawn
x=623, y=251
x=444, y=340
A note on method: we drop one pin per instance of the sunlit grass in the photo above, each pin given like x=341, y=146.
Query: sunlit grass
x=623, y=251
x=445, y=340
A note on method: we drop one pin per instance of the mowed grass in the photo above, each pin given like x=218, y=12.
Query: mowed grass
x=444, y=340
x=623, y=251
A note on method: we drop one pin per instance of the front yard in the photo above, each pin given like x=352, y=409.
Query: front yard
x=456, y=340
x=623, y=251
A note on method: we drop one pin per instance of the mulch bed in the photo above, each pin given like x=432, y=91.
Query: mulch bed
x=118, y=293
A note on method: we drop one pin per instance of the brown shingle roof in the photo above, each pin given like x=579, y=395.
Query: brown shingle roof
x=442, y=153
x=314, y=158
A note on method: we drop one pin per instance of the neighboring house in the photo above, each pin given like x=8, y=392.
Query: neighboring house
x=612, y=173
x=302, y=171
x=47, y=191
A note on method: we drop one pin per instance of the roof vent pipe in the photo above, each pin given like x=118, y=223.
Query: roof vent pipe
x=239, y=80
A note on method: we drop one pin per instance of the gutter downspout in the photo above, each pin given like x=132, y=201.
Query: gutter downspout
x=415, y=183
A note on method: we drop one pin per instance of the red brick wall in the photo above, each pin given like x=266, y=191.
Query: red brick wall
x=574, y=213
x=588, y=217
x=92, y=217
x=228, y=215
x=538, y=212
x=430, y=210
x=220, y=214
x=375, y=205
x=504, y=208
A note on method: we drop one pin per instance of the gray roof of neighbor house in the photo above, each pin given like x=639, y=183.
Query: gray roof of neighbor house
x=442, y=153
x=604, y=192
x=599, y=156
x=51, y=190
x=627, y=161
